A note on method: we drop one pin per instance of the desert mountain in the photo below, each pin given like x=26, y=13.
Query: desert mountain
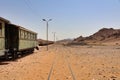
x=104, y=34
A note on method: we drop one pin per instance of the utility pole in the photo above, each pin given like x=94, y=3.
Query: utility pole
x=54, y=35
x=47, y=30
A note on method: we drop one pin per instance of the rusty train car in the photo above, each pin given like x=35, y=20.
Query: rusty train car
x=15, y=39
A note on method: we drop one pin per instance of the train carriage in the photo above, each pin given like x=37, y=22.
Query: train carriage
x=3, y=22
x=27, y=39
x=15, y=39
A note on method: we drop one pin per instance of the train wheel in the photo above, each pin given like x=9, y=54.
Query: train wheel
x=32, y=50
x=7, y=56
x=37, y=48
x=14, y=55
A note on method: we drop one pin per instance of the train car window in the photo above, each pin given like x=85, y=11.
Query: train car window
x=22, y=34
x=19, y=33
x=28, y=35
x=35, y=36
x=32, y=36
x=25, y=35
x=0, y=29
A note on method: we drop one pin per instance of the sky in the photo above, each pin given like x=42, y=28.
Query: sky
x=70, y=18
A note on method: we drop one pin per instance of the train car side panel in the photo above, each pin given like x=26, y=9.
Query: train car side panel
x=2, y=46
x=2, y=38
x=26, y=44
x=27, y=40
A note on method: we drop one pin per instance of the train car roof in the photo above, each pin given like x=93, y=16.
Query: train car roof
x=5, y=20
x=23, y=28
x=8, y=22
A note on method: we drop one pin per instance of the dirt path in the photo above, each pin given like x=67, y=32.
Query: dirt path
x=65, y=63
x=32, y=67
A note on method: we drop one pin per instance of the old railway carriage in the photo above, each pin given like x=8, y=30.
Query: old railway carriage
x=15, y=39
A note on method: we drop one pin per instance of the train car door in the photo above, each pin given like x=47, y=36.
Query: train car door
x=11, y=37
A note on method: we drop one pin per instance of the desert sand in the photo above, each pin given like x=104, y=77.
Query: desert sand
x=65, y=63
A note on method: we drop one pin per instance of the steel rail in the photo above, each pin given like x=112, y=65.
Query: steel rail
x=49, y=75
x=69, y=66
x=51, y=69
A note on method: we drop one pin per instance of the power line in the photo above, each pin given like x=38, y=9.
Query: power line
x=29, y=5
x=29, y=2
x=26, y=2
x=32, y=10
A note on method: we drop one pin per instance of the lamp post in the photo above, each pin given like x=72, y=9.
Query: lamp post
x=47, y=30
x=54, y=35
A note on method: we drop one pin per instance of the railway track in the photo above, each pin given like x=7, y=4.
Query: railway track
x=65, y=60
x=70, y=68
x=51, y=69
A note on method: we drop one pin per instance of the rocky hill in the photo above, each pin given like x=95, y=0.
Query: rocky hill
x=104, y=34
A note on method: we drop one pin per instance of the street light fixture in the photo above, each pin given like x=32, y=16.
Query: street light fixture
x=47, y=30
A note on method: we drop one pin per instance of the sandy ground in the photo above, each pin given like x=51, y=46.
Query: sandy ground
x=65, y=63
